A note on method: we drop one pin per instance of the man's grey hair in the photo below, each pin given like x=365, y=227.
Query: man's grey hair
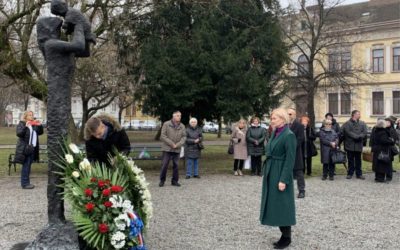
x=381, y=123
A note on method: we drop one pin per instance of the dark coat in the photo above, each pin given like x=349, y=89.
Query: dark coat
x=253, y=135
x=278, y=207
x=382, y=143
x=99, y=149
x=326, y=137
x=309, y=138
x=354, y=133
x=298, y=131
x=23, y=135
x=192, y=149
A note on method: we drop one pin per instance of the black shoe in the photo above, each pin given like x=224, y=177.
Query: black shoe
x=380, y=181
x=323, y=178
x=29, y=186
x=187, y=177
x=176, y=184
x=161, y=184
x=331, y=178
x=302, y=194
x=360, y=177
x=349, y=177
x=283, y=243
x=309, y=174
x=196, y=176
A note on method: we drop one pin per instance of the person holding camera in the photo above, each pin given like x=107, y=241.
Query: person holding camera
x=27, y=150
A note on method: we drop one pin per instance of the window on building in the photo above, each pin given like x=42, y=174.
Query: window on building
x=333, y=103
x=345, y=103
x=93, y=103
x=339, y=62
x=302, y=65
x=346, y=62
x=377, y=60
x=334, y=62
x=377, y=103
x=396, y=59
x=396, y=102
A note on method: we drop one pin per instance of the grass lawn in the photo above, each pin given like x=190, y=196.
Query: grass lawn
x=214, y=160
x=8, y=136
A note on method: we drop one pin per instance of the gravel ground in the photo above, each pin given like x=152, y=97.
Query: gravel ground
x=221, y=212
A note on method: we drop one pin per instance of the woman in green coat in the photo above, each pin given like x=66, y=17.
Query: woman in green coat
x=277, y=200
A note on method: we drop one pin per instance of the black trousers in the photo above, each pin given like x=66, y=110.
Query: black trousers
x=354, y=159
x=307, y=165
x=238, y=164
x=256, y=164
x=286, y=231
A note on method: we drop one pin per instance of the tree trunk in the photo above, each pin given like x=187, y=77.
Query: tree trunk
x=310, y=108
x=219, y=126
x=120, y=115
x=2, y=118
x=73, y=132
x=158, y=135
x=84, y=119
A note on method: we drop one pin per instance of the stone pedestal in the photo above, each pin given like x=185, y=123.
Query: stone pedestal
x=61, y=236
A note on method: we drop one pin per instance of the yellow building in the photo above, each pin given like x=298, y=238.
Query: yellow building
x=371, y=34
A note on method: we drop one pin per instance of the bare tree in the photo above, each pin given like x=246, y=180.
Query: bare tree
x=320, y=50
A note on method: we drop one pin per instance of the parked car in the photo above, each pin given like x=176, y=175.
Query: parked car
x=131, y=125
x=149, y=125
x=265, y=125
x=210, y=127
x=318, y=126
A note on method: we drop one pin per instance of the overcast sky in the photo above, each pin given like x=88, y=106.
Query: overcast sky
x=284, y=3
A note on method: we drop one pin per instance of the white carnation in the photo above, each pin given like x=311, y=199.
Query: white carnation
x=74, y=148
x=116, y=201
x=85, y=165
x=75, y=174
x=69, y=158
x=122, y=221
x=118, y=240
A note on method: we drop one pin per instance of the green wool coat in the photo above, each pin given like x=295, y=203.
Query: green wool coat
x=277, y=208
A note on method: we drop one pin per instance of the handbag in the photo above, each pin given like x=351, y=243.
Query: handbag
x=314, y=151
x=28, y=150
x=384, y=157
x=230, y=148
x=395, y=151
x=338, y=156
x=200, y=145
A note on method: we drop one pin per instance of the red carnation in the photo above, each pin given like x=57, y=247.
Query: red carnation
x=89, y=207
x=103, y=228
x=116, y=189
x=106, y=192
x=107, y=204
x=88, y=192
x=93, y=179
x=101, y=183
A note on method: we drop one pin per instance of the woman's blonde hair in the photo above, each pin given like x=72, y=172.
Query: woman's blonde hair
x=281, y=113
x=26, y=114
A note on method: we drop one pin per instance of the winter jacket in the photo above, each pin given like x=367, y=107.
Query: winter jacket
x=382, y=142
x=298, y=130
x=326, y=136
x=23, y=134
x=99, y=149
x=239, y=143
x=309, y=138
x=354, y=134
x=172, y=134
x=255, y=135
x=192, y=149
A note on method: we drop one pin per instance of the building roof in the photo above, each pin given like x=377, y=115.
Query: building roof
x=365, y=13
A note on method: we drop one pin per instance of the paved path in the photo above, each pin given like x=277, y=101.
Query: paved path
x=221, y=212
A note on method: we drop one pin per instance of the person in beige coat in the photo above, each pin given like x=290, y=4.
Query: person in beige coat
x=239, y=146
x=173, y=136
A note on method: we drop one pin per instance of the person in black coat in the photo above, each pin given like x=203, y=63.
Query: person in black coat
x=329, y=141
x=103, y=135
x=28, y=131
x=298, y=170
x=255, y=138
x=193, y=147
x=382, y=144
x=308, y=147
